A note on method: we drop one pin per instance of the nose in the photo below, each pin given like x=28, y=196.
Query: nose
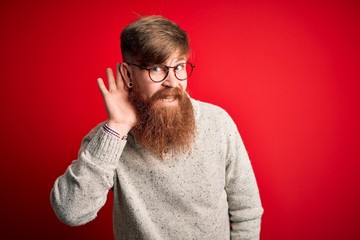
x=171, y=81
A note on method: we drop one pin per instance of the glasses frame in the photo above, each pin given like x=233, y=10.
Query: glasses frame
x=167, y=71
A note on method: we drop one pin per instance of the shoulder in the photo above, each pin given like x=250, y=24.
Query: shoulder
x=208, y=115
x=206, y=110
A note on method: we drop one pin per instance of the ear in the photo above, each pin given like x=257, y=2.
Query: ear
x=126, y=73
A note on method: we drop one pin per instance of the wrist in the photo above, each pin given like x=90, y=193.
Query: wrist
x=120, y=129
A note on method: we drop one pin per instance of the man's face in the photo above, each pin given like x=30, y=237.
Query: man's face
x=166, y=116
x=147, y=88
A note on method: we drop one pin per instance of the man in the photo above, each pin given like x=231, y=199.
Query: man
x=178, y=167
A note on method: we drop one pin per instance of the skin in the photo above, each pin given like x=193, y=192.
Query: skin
x=121, y=113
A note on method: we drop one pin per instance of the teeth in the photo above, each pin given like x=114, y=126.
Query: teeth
x=168, y=99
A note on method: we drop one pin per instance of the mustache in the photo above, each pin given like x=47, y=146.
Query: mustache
x=176, y=93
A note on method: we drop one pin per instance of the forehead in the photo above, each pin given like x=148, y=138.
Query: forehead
x=176, y=57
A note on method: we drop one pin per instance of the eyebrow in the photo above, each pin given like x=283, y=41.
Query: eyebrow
x=177, y=60
x=181, y=58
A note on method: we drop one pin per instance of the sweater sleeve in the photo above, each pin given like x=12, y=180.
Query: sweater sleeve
x=82, y=190
x=245, y=209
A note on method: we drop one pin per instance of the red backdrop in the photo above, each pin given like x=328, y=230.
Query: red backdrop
x=287, y=72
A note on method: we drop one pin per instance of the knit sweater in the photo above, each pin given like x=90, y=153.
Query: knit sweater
x=191, y=196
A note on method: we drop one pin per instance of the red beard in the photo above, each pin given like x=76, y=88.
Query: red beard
x=164, y=129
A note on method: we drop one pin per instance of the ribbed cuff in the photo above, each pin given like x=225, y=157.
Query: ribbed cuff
x=105, y=147
x=111, y=131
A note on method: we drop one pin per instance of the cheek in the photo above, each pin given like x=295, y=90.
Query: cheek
x=144, y=86
x=147, y=91
x=183, y=85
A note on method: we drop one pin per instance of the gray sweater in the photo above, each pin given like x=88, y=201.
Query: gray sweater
x=193, y=196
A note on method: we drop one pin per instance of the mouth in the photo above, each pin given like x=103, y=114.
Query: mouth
x=167, y=97
x=169, y=100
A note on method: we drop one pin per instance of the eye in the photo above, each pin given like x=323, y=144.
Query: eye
x=180, y=67
x=157, y=68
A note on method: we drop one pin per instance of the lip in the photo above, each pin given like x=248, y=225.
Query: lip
x=168, y=100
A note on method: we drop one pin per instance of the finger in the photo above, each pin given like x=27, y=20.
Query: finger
x=102, y=86
x=119, y=78
x=111, y=80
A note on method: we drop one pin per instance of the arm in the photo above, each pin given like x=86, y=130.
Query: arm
x=79, y=194
x=245, y=209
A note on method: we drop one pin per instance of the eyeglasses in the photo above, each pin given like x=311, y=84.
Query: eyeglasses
x=159, y=72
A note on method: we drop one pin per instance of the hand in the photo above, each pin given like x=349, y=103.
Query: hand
x=121, y=112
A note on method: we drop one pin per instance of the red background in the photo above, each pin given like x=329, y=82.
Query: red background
x=287, y=72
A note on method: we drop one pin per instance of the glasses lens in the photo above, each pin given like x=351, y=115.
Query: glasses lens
x=158, y=73
x=183, y=71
